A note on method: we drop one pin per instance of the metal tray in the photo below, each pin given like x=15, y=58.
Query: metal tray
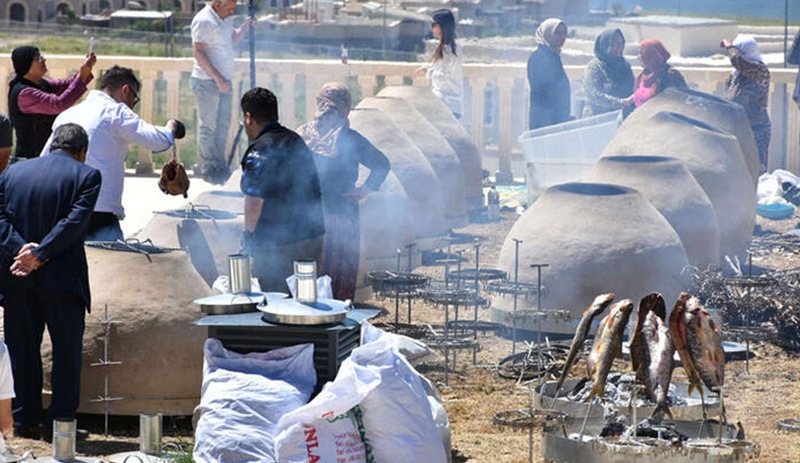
x=292, y=312
x=692, y=410
x=221, y=304
x=555, y=446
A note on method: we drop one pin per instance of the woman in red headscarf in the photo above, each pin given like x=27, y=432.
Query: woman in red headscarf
x=657, y=74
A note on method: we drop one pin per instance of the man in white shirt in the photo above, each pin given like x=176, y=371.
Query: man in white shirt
x=107, y=116
x=213, y=38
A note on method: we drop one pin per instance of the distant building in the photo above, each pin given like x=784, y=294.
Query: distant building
x=44, y=10
x=127, y=18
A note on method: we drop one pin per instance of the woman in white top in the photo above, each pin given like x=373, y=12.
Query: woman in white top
x=444, y=70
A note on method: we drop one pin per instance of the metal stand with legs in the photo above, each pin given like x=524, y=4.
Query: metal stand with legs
x=105, y=362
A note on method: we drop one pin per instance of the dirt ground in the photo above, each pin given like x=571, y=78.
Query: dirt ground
x=474, y=393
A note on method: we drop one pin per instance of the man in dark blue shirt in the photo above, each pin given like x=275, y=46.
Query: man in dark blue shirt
x=283, y=219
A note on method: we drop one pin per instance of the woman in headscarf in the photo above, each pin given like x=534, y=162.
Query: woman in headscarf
x=546, y=77
x=608, y=79
x=34, y=101
x=340, y=151
x=748, y=85
x=656, y=74
x=445, y=68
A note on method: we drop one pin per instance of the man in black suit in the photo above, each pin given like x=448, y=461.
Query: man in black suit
x=45, y=206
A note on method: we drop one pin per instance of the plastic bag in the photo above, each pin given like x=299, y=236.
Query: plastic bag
x=377, y=397
x=330, y=426
x=222, y=285
x=324, y=287
x=416, y=352
x=398, y=422
x=244, y=396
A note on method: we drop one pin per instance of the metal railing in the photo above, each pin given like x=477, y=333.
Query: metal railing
x=495, y=94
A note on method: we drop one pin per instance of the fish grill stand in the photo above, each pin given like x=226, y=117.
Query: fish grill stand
x=399, y=285
x=522, y=366
x=447, y=339
x=105, y=362
x=748, y=283
x=530, y=418
x=449, y=294
x=447, y=343
x=478, y=275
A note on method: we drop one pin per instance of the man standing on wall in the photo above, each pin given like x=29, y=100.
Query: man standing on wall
x=283, y=219
x=213, y=39
x=45, y=207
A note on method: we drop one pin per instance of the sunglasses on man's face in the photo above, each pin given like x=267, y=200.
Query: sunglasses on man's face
x=136, y=98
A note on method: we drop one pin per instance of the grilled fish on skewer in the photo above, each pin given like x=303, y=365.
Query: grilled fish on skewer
x=657, y=363
x=596, y=308
x=607, y=345
x=652, y=349
x=698, y=344
x=649, y=303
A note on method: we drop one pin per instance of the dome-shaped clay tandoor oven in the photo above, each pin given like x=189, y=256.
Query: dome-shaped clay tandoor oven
x=209, y=227
x=412, y=169
x=438, y=114
x=160, y=350
x=210, y=236
x=387, y=224
x=714, y=159
x=671, y=188
x=436, y=150
x=596, y=238
x=714, y=111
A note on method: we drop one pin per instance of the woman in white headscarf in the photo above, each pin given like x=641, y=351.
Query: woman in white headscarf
x=548, y=82
x=748, y=85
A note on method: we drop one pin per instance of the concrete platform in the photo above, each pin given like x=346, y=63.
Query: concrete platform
x=682, y=36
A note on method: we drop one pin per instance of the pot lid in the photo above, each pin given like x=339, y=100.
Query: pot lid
x=240, y=298
x=292, y=312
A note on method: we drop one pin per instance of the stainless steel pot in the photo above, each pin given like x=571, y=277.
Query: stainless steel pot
x=239, y=273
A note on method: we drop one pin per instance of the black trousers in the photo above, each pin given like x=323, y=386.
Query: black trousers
x=28, y=311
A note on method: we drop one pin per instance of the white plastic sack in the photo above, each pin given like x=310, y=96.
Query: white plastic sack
x=324, y=287
x=419, y=352
x=328, y=427
x=244, y=396
x=770, y=186
x=416, y=352
x=379, y=386
x=398, y=424
x=442, y=424
x=222, y=286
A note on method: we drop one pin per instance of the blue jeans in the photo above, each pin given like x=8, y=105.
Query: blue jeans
x=214, y=123
x=104, y=226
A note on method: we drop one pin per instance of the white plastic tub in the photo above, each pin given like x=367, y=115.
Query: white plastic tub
x=565, y=152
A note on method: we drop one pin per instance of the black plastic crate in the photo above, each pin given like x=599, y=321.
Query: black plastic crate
x=333, y=343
